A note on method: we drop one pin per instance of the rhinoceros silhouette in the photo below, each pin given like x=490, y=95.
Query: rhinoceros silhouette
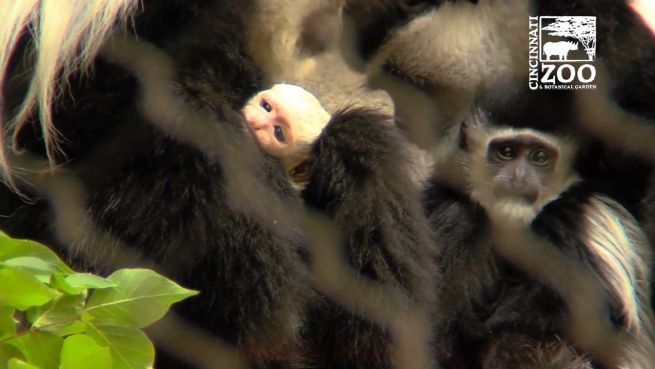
x=561, y=49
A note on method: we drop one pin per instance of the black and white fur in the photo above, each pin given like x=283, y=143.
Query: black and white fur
x=471, y=46
x=503, y=315
x=150, y=191
x=453, y=53
x=283, y=42
x=421, y=49
x=155, y=183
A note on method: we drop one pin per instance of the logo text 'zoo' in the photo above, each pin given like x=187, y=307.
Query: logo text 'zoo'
x=561, y=53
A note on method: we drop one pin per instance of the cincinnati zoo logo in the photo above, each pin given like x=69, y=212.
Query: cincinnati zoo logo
x=562, y=52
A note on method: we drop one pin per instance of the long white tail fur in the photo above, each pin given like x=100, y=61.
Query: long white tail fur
x=67, y=35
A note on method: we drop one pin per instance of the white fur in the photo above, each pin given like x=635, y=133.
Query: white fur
x=623, y=255
x=307, y=112
x=308, y=117
x=67, y=36
x=646, y=10
x=610, y=234
x=461, y=45
x=274, y=31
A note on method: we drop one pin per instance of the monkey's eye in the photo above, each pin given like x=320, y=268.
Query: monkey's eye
x=279, y=133
x=264, y=104
x=540, y=157
x=505, y=153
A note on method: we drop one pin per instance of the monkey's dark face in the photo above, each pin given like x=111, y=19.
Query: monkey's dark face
x=520, y=166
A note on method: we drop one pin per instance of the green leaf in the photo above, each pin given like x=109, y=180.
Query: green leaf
x=7, y=322
x=19, y=364
x=140, y=298
x=58, y=281
x=41, y=269
x=31, y=263
x=59, y=313
x=86, y=280
x=39, y=348
x=11, y=248
x=81, y=351
x=22, y=290
x=129, y=347
x=7, y=352
x=43, y=278
x=76, y=327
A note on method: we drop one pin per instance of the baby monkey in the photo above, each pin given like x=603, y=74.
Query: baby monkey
x=285, y=120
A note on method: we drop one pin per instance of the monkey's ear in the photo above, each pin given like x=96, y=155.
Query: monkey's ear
x=474, y=132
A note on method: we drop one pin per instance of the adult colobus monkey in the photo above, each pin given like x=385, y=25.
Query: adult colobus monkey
x=149, y=128
x=532, y=199
x=148, y=187
x=438, y=58
x=434, y=80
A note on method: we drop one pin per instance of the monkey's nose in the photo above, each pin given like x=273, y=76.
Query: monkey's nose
x=259, y=123
x=518, y=184
x=523, y=187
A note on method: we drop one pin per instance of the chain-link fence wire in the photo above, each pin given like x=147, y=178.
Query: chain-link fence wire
x=247, y=193
x=410, y=329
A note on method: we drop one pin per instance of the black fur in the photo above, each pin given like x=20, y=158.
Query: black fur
x=166, y=199
x=375, y=20
x=360, y=179
x=497, y=316
x=627, y=49
x=624, y=44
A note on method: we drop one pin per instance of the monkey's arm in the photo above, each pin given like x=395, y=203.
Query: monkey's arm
x=359, y=177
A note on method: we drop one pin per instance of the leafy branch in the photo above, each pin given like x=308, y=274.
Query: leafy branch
x=52, y=317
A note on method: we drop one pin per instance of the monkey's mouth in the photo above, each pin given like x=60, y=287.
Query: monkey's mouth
x=523, y=197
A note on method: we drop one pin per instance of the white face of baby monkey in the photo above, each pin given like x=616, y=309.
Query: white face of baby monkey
x=285, y=119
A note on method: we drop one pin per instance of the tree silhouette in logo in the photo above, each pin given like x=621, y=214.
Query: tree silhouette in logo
x=581, y=28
